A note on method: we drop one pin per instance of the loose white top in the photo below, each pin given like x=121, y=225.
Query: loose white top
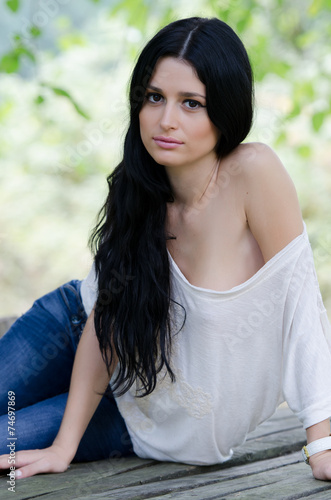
x=239, y=354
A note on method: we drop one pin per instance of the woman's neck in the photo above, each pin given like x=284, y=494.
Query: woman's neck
x=190, y=185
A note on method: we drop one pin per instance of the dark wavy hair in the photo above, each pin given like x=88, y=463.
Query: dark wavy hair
x=132, y=312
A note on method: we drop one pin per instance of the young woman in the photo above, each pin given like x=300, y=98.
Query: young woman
x=203, y=309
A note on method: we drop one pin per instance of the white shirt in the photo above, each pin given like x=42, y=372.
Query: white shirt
x=240, y=353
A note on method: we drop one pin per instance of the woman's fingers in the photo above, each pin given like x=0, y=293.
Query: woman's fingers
x=21, y=457
x=42, y=466
x=31, y=462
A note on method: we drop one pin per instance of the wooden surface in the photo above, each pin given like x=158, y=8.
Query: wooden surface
x=268, y=466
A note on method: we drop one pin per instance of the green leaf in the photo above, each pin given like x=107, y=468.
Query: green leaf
x=39, y=99
x=315, y=7
x=24, y=51
x=304, y=151
x=80, y=111
x=10, y=63
x=59, y=91
x=318, y=119
x=296, y=110
x=63, y=93
x=14, y=5
x=35, y=32
x=136, y=14
x=244, y=22
x=281, y=138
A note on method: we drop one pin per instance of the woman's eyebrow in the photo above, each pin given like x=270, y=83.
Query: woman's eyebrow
x=182, y=94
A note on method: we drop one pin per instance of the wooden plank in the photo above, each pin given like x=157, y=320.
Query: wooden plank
x=321, y=495
x=247, y=475
x=109, y=489
x=98, y=477
x=150, y=479
x=269, y=446
x=75, y=480
x=291, y=482
x=280, y=478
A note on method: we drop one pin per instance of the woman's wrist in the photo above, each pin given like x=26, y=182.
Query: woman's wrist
x=318, y=431
x=68, y=451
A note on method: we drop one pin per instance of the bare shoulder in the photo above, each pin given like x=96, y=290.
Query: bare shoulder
x=269, y=197
x=257, y=158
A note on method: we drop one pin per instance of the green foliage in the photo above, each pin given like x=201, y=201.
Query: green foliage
x=63, y=93
x=279, y=35
x=10, y=62
x=63, y=110
x=13, y=5
x=318, y=119
x=135, y=14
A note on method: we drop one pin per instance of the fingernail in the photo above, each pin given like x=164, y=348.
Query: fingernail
x=18, y=473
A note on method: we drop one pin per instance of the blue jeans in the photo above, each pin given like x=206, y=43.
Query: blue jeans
x=37, y=355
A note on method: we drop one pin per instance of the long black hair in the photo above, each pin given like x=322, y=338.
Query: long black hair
x=132, y=312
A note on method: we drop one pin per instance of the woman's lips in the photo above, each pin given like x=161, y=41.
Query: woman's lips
x=167, y=142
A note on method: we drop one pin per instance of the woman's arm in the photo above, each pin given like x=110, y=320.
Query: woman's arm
x=270, y=201
x=89, y=380
x=274, y=217
x=320, y=462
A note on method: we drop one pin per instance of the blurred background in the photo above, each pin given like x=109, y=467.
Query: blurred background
x=64, y=69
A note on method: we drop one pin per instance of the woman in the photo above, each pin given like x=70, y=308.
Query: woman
x=203, y=272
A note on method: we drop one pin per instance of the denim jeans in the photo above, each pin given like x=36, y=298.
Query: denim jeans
x=37, y=355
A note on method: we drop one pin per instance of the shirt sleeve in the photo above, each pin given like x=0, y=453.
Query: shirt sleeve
x=89, y=290
x=307, y=346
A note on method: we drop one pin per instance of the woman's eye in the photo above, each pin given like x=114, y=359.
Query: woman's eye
x=152, y=97
x=191, y=104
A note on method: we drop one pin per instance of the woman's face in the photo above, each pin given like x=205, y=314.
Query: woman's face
x=174, y=124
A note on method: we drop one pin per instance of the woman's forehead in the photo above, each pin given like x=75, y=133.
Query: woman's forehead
x=174, y=73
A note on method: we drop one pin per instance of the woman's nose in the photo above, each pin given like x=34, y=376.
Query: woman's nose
x=169, y=119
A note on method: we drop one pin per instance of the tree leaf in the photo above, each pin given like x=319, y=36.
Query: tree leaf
x=13, y=5
x=80, y=111
x=315, y=7
x=61, y=92
x=35, y=32
x=317, y=120
x=10, y=63
x=304, y=151
x=39, y=99
x=21, y=50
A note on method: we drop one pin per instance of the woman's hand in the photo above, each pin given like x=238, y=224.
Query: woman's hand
x=321, y=465
x=320, y=462
x=31, y=462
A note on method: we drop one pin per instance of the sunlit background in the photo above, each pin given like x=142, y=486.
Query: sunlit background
x=64, y=68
